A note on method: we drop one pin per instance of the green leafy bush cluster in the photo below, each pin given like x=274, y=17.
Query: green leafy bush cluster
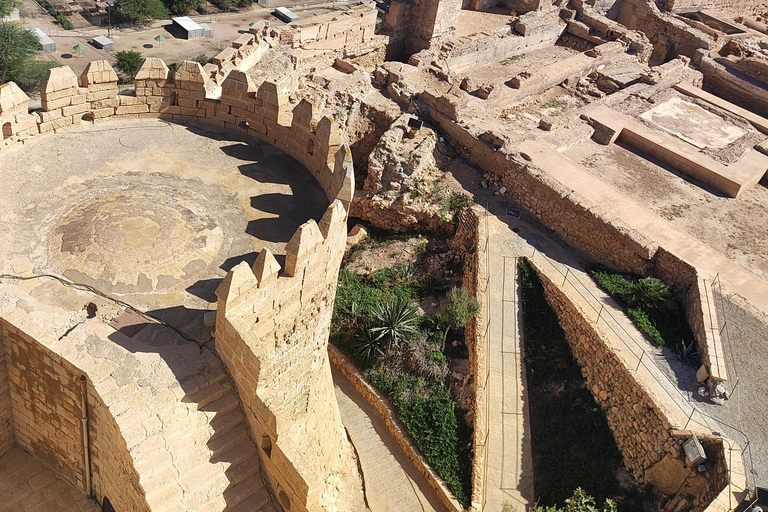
x=453, y=205
x=429, y=414
x=377, y=323
x=128, y=61
x=64, y=22
x=579, y=502
x=649, y=303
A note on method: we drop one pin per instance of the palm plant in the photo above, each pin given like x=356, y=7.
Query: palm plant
x=367, y=344
x=395, y=321
x=650, y=293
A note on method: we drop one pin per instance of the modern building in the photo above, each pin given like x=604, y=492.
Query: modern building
x=103, y=43
x=48, y=45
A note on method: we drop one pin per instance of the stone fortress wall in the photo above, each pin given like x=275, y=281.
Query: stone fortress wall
x=272, y=327
x=45, y=396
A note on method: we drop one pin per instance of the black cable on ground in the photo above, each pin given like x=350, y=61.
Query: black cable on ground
x=95, y=291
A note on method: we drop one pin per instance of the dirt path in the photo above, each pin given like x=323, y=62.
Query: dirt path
x=391, y=481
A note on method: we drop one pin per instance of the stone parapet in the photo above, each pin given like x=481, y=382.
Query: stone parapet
x=272, y=329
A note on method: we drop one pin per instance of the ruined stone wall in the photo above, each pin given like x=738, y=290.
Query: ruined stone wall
x=471, y=238
x=46, y=399
x=535, y=33
x=741, y=6
x=717, y=77
x=582, y=225
x=670, y=35
x=272, y=332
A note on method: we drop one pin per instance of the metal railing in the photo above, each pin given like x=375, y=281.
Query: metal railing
x=638, y=354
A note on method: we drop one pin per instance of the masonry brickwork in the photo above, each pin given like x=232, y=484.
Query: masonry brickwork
x=647, y=434
x=46, y=407
x=6, y=417
x=272, y=333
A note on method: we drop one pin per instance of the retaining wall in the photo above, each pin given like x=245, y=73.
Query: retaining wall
x=471, y=237
x=46, y=395
x=644, y=431
x=384, y=408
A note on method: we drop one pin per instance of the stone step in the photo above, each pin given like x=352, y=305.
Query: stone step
x=222, y=441
x=208, y=394
x=213, y=375
x=256, y=502
x=236, y=454
x=239, y=492
x=160, y=479
x=239, y=472
x=223, y=404
x=228, y=420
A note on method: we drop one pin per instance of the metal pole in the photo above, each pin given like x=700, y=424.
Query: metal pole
x=86, y=442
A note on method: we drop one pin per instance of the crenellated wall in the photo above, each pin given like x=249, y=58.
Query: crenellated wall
x=263, y=112
x=272, y=329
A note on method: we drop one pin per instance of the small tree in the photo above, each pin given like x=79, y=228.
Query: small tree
x=579, y=502
x=457, y=311
x=141, y=11
x=129, y=61
x=18, y=48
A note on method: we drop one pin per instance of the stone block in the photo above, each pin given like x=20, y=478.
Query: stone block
x=131, y=109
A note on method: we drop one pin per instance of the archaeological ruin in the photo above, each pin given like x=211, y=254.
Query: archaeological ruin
x=168, y=267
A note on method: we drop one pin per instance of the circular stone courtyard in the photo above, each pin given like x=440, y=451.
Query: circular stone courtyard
x=150, y=212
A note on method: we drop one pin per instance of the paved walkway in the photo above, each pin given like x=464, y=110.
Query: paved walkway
x=28, y=485
x=509, y=471
x=391, y=482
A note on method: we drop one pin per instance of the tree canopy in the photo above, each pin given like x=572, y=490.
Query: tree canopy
x=6, y=6
x=128, y=62
x=18, y=48
x=140, y=11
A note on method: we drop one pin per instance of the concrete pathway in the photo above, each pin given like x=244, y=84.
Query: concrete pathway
x=28, y=485
x=509, y=466
x=391, y=482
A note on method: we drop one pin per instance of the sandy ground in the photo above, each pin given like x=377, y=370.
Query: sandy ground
x=735, y=227
x=226, y=28
x=151, y=212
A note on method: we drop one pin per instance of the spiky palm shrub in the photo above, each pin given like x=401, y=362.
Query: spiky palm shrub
x=650, y=293
x=367, y=344
x=395, y=321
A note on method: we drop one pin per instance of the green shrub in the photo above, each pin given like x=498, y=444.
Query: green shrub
x=454, y=204
x=64, y=22
x=648, y=301
x=395, y=321
x=430, y=418
x=579, y=502
x=129, y=61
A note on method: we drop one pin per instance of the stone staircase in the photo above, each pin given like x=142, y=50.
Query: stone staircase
x=205, y=460
x=181, y=418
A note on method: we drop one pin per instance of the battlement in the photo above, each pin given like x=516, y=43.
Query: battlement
x=272, y=331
